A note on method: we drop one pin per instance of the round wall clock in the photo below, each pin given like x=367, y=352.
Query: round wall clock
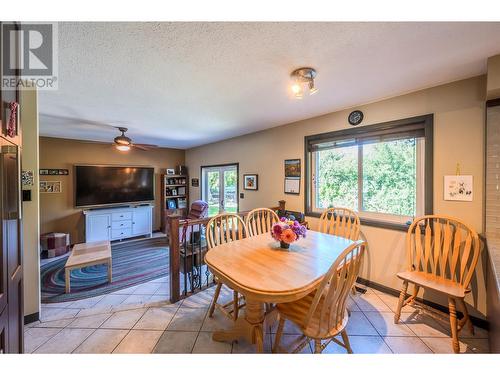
x=355, y=118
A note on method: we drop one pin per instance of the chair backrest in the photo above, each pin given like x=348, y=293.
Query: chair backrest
x=260, y=221
x=341, y=222
x=198, y=210
x=328, y=308
x=443, y=246
x=225, y=228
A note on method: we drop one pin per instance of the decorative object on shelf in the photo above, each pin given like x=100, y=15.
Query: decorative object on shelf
x=292, y=168
x=50, y=187
x=173, y=191
x=303, y=81
x=27, y=178
x=250, y=181
x=182, y=170
x=195, y=182
x=181, y=203
x=170, y=171
x=12, y=123
x=292, y=185
x=287, y=231
x=355, y=117
x=172, y=204
x=458, y=188
x=54, y=172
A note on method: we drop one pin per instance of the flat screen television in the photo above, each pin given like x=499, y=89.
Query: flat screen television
x=98, y=185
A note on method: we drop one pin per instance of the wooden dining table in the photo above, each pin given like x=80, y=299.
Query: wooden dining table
x=263, y=272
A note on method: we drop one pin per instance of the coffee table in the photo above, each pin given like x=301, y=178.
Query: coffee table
x=88, y=254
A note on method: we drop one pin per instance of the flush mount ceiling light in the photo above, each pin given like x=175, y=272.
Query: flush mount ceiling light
x=303, y=82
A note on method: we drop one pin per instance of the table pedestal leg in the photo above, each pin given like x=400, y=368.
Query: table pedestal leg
x=249, y=327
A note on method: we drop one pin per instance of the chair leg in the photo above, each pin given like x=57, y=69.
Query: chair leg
x=402, y=297
x=214, y=300
x=453, y=324
x=467, y=317
x=347, y=344
x=236, y=303
x=416, y=289
x=279, y=332
x=317, y=346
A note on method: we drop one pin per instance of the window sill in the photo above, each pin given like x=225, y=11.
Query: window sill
x=372, y=223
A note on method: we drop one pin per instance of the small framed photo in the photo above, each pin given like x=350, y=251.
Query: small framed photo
x=172, y=204
x=195, y=182
x=44, y=172
x=27, y=178
x=250, y=181
x=170, y=171
x=50, y=187
x=292, y=168
x=458, y=188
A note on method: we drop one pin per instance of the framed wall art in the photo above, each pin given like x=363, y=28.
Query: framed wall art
x=50, y=187
x=292, y=168
x=250, y=181
x=458, y=188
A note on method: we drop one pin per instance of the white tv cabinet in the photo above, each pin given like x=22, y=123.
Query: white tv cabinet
x=118, y=223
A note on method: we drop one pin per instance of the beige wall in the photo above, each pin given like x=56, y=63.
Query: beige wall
x=57, y=211
x=31, y=220
x=458, y=110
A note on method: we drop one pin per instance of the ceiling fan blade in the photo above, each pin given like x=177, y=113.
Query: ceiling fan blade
x=141, y=147
x=145, y=145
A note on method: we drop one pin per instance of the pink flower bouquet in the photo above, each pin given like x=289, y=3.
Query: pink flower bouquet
x=287, y=231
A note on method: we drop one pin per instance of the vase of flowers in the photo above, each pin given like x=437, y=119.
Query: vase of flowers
x=287, y=231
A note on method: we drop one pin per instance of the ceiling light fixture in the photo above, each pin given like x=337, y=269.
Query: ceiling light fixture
x=122, y=142
x=303, y=81
x=122, y=147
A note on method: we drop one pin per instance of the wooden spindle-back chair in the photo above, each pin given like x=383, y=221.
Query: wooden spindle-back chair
x=322, y=315
x=341, y=222
x=442, y=256
x=221, y=229
x=260, y=221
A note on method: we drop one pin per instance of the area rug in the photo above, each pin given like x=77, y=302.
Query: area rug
x=133, y=263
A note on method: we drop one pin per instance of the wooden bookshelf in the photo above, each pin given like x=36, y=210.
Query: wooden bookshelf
x=174, y=190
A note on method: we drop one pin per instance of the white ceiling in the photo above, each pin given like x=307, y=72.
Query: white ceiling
x=187, y=84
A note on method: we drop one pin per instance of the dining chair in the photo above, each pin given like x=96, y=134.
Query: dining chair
x=221, y=229
x=322, y=315
x=260, y=220
x=442, y=256
x=341, y=222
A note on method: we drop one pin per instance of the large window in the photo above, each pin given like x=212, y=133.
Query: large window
x=384, y=171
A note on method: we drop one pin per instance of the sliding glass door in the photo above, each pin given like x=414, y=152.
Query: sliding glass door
x=220, y=188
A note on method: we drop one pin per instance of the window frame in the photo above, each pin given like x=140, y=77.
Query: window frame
x=426, y=122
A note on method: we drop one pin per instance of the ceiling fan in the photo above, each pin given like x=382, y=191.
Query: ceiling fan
x=121, y=142
x=124, y=143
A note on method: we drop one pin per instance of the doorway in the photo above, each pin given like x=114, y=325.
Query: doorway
x=219, y=187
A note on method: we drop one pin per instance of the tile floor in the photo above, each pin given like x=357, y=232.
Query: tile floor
x=140, y=319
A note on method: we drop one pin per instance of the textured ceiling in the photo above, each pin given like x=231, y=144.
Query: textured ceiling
x=186, y=84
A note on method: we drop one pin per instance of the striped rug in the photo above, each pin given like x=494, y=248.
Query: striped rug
x=133, y=263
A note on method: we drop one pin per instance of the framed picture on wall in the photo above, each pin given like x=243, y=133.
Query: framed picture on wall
x=250, y=181
x=50, y=187
x=292, y=185
x=292, y=168
x=458, y=188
